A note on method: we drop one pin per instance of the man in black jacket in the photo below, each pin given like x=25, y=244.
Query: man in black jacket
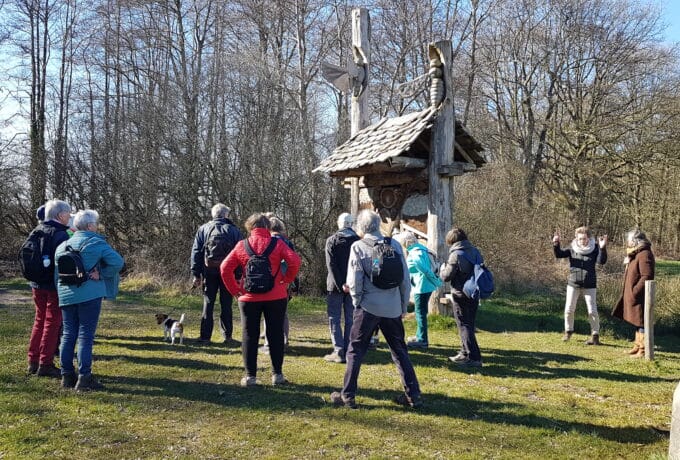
x=213, y=242
x=45, y=332
x=339, y=301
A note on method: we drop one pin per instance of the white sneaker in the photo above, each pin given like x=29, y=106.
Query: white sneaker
x=248, y=381
x=279, y=379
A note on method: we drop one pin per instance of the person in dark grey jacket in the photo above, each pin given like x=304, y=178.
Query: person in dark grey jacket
x=339, y=300
x=583, y=253
x=209, y=276
x=377, y=307
x=457, y=270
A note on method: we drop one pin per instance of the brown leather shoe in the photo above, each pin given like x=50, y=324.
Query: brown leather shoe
x=593, y=340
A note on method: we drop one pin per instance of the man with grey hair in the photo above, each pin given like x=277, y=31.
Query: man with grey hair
x=338, y=300
x=45, y=333
x=213, y=242
x=379, y=284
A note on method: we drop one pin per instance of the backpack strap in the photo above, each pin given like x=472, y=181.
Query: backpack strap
x=267, y=252
x=80, y=249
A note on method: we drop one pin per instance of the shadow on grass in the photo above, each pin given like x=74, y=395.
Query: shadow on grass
x=170, y=362
x=305, y=397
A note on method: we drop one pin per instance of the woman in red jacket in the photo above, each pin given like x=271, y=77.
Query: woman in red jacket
x=263, y=289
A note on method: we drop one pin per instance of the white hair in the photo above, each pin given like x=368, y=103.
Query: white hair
x=345, y=220
x=84, y=218
x=406, y=239
x=220, y=210
x=368, y=222
x=55, y=207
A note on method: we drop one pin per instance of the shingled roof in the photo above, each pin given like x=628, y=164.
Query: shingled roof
x=374, y=149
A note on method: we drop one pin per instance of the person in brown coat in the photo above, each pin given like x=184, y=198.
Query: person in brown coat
x=639, y=268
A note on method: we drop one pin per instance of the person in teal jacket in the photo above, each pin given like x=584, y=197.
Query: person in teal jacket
x=423, y=283
x=81, y=304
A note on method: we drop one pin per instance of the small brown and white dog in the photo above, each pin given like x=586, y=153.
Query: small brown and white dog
x=171, y=327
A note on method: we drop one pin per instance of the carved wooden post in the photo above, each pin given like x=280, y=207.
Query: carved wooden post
x=361, y=38
x=440, y=196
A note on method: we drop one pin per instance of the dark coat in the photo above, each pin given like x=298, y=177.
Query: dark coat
x=337, y=256
x=457, y=270
x=582, y=266
x=57, y=235
x=631, y=305
x=197, y=261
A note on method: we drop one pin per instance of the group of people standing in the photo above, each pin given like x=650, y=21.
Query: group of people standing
x=69, y=310
x=259, y=269
x=584, y=253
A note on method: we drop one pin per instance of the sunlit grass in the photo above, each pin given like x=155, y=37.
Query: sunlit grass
x=535, y=397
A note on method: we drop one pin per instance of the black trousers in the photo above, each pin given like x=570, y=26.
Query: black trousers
x=274, y=314
x=212, y=283
x=360, y=336
x=465, y=314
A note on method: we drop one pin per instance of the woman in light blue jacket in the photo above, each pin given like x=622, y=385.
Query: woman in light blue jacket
x=423, y=282
x=81, y=303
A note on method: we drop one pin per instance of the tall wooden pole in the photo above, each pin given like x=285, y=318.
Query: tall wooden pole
x=361, y=38
x=650, y=302
x=440, y=196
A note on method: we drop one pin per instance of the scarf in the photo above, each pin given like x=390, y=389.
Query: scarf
x=582, y=250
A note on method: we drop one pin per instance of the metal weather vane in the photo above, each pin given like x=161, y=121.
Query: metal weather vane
x=352, y=78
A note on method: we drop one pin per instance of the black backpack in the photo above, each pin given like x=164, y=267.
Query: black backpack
x=218, y=245
x=387, y=269
x=37, y=246
x=71, y=269
x=257, y=276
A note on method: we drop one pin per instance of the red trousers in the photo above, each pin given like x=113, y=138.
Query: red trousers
x=45, y=334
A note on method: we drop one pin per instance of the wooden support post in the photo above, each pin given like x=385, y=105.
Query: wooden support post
x=650, y=301
x=361, y=37
x=440, y=196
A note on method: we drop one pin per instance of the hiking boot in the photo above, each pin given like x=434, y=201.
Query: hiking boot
x=593, y=340
x=567, y=336
x=417, y=344
x=404, y=400
x=459, y=358
x=68, y=380
x=248, y=381
x=338, y=400
x=88, y=382
x=48, y=370
x=337, y=356
x=33, y=367
x=278, y=379
x=467, y=362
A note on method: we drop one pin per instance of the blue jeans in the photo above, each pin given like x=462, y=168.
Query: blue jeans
x=339, y=304
x=212, y=282
x=465, y=313
x=80, y=323
x=393, y=330
x=421, y=301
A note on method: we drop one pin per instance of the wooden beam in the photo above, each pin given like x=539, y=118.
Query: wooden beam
x=361, y=38
x=407, y=162
x=382, y=180
x=440, y=196
x=464, y=153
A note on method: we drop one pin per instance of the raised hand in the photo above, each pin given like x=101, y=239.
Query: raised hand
x=603, y=241
x=556, y=239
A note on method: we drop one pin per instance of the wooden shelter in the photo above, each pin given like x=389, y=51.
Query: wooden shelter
x=415, y=154
x=391, y=158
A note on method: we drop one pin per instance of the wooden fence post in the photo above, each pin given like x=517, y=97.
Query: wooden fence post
x=650, y=301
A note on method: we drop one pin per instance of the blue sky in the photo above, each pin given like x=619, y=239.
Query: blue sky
x=671, y=17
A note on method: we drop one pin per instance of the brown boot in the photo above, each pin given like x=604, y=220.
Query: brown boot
x=636, y=345
x=48, y=370
x=641, y=351
x=593, y=340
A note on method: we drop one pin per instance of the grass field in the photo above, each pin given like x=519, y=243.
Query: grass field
x=535, y=397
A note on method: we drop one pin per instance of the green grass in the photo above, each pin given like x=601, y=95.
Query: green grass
x=535, y=397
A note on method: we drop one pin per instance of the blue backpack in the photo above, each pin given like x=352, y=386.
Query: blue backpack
x=480, y=285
